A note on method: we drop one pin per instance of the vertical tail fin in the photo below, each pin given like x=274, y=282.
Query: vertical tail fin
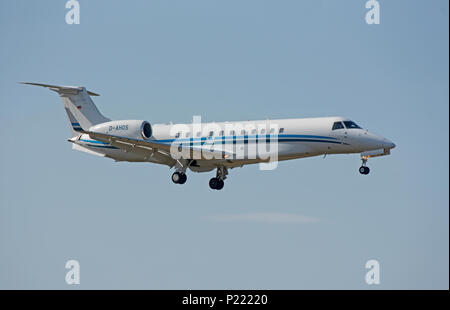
x=80, y=108
x=75, y=127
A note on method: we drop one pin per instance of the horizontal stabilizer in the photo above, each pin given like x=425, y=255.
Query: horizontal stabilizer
x=62, y=89
x=86, y=150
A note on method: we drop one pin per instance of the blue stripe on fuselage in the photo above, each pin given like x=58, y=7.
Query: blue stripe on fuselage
x=101, y=146
x=98, y=144
x=246, y=141
x=228, y=140
x=246, y=136
x=93, y=141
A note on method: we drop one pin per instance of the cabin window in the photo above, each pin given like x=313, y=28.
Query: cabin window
x=232, y=133
x=350, y=125
x=281, y=130
x=198, y=134
x=337, y=125
x=221, y=133
x=253, y=131
x=263, y=131
x=177, y=135
x=243, y=132
x=188, y=134
x=211, y=133
x=272, y=131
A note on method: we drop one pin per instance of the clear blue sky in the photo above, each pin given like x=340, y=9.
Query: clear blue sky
x=130, y=227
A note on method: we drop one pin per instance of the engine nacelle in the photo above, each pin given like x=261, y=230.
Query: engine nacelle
x=125, y=128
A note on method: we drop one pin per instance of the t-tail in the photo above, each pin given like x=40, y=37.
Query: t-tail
x=81, y=110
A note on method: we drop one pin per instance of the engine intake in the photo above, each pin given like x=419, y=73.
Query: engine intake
x=146, y=131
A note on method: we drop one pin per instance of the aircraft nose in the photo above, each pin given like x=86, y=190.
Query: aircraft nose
x=388, y=144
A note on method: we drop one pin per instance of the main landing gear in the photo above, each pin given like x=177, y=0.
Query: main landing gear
x=364, y=169
x=179, y=177
x=217, y=182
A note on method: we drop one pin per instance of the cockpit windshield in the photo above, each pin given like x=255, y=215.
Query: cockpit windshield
x=350, y=125
x=337, y=125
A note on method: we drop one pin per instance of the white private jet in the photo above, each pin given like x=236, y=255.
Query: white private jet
x=209, y=146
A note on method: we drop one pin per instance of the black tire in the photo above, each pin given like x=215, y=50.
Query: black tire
x=220, y=184
x=367, y=170
x=213, y=183
x=183, y=178
x=362, y=170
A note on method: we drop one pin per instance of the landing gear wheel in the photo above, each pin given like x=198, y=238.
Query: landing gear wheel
x=213, y=183
x=364, y=170
x=179, y=178
x=183, y=178
x=220, y=184
x=216, y=183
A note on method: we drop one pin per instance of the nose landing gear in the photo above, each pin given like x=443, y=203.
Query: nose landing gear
x=364, y=169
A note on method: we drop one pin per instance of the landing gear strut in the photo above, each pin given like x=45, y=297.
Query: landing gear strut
x=217, y=182
x=364, y=169
x=179, y=177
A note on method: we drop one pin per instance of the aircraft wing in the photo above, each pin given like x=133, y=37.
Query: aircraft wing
x=204, y=152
